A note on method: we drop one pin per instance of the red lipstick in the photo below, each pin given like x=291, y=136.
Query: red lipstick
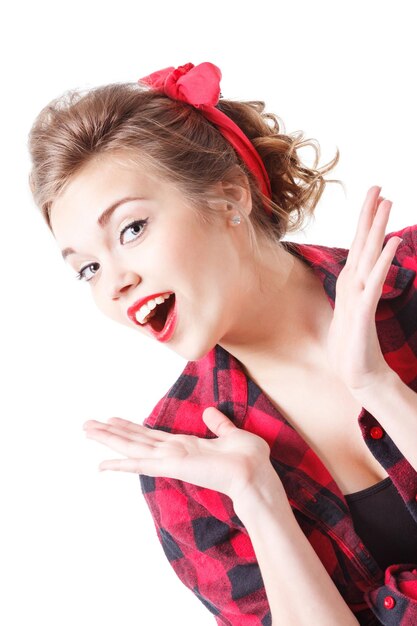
x=167, y=331
x=132, y=310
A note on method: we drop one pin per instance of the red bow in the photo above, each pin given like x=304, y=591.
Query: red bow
x=196, y=85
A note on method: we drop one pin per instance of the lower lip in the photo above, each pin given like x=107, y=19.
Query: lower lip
x=166, y=333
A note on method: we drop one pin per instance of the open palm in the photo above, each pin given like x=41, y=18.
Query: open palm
x=353, y=348
x=229, y=463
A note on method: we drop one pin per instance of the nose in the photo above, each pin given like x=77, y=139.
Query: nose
x=122, y=282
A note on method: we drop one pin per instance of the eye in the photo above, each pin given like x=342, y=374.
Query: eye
x=83, y=273
x=135, y=229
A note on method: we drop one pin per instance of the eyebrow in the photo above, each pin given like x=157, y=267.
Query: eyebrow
x=104, y=219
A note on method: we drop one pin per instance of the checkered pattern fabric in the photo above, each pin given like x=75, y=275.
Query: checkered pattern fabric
x=203, y=539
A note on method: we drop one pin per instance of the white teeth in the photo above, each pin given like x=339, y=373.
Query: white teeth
x=143, y=313
x=147, y=310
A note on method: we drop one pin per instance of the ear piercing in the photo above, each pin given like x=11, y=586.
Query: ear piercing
x=235, y=220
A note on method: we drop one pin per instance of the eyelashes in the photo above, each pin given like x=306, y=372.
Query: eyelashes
x=137, y=225
x=134, y=224
x=81, y=274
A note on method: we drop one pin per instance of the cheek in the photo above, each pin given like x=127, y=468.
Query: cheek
x=105, y=306
x=196, y=245
x=180, y=253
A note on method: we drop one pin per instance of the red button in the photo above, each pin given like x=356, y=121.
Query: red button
x=389, y=602
x=376, y=432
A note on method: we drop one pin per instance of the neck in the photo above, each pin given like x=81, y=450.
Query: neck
x=281, y=313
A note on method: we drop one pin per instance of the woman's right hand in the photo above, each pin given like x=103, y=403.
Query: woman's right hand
x=235, y=463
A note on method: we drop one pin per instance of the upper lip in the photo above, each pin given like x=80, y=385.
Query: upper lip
x=132, y=310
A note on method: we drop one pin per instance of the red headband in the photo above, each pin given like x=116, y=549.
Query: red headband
x=200, y=86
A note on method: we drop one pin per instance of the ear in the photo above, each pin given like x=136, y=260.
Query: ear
x=235, y=192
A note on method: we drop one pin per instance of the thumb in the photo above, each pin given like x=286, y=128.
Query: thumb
x=218, y=423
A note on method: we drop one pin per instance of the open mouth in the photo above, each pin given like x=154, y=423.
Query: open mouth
x=158, y=317
x=158, y=313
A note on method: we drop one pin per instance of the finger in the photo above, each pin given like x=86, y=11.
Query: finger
x=136, y=466
x=139, y=431
x=112, y=420
x=373, y=248
x=218, y=423
x=121, y=444
x=92, y=424
x=117, y=465
x=116, y=420
x=377, y=204
x=134, y=445
x=125, y=423
x=149, y=467
x=154, y=433
x=363, y=227
x=128, y=434
x=378, y=275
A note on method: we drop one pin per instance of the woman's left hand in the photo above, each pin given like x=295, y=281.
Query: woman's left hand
x=353, y=349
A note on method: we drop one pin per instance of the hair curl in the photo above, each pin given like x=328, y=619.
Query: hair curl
x=174, y=140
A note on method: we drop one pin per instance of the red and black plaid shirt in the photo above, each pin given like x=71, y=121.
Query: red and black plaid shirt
x=206, y=543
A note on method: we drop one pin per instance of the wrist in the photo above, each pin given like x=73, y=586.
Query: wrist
x=264, y=491
x=387, y=379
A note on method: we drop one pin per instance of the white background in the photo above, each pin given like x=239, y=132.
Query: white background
x=79, y=546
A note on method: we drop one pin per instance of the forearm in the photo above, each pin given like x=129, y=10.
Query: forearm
x=394, y=405
x=299, y=589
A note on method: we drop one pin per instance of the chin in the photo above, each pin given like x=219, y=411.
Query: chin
x=193, y=353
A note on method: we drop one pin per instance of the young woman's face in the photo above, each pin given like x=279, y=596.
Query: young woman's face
x=133, y=238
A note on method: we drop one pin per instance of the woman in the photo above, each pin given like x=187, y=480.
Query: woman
x=172, y=205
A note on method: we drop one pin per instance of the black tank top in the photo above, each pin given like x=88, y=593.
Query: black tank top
x=384, y=524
